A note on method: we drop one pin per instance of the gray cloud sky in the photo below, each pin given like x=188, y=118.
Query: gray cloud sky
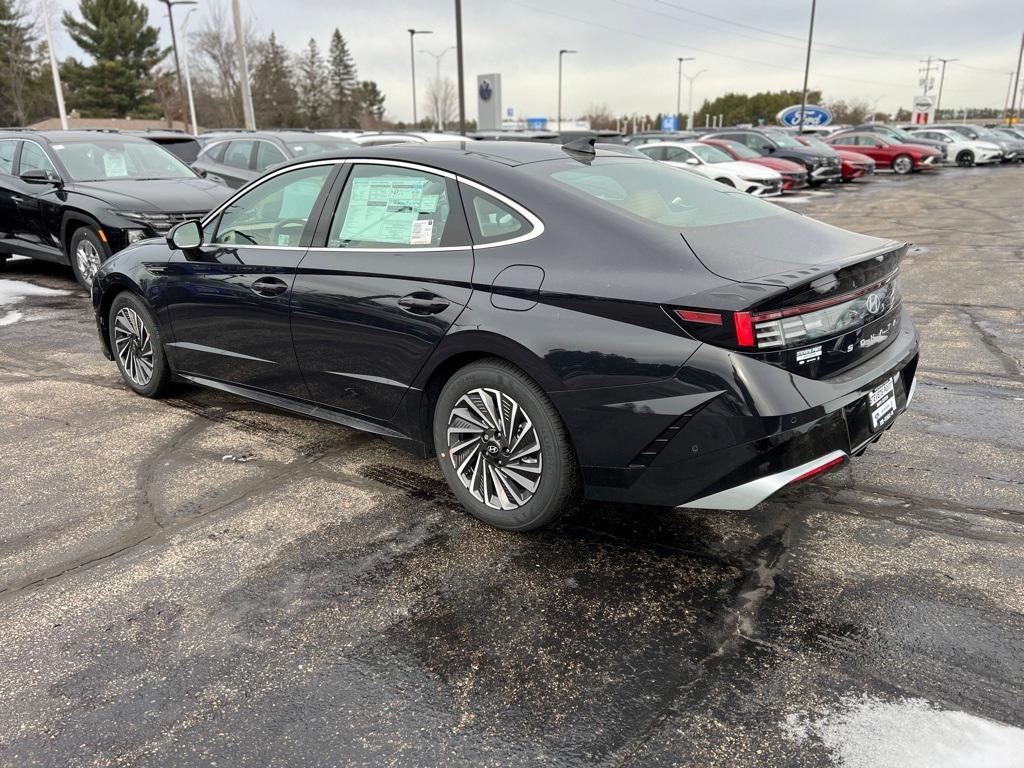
x=867, y=49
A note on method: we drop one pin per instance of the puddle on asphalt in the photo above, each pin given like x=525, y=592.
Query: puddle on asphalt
x=866, y=732
x=16, y=291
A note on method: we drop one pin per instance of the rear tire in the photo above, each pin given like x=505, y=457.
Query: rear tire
x=902, y=165
x=138, y=346
x=513, y=466
x=87, y=253
x=965, y=159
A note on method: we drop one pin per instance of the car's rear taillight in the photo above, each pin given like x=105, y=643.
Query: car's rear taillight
x=771, y=330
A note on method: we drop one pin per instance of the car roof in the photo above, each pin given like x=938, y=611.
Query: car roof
x=70, y=137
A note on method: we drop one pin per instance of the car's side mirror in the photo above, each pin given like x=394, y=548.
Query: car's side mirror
x=692, y=161
x=39, y=176
x=768, y=148
x=185, y=236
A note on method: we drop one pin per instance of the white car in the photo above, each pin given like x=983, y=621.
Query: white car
x=962, y=150
x=715, y=164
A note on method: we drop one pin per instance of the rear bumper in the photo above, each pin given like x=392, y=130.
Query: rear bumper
x=732, y=449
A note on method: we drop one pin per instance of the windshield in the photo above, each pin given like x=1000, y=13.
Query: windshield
x=742, y=151
x=657, y=192
x=708, y=153
x=783, y=139
x=110, y=159
x=899, y=134
x=814, y=141
x=318, y=146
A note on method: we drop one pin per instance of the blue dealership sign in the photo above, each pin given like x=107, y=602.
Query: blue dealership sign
x=670, y=123
x=813, y=115
x=536, y=123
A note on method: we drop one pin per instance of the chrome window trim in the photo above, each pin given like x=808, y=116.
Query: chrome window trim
x=535, y=221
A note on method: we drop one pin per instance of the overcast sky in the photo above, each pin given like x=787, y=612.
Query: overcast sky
x=864, y=49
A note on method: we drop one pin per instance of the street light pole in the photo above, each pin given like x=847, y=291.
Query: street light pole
x=58, y=89
x=243, y=68
x=679, y=86
x=561, y=53
x=1016, y=82
x=174, y=39
x=807, y=65
x=458, y=56
x=942, y=79
x=689, y=106
x=188, y=78
x=412, y=61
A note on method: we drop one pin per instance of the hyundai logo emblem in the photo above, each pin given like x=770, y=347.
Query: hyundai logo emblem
x=874, y=304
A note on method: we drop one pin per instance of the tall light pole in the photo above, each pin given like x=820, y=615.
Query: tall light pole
x=679, y=86
x=561, y=53
x=174, y=39
x=243, y=68
x=412, y=61
x=458, y=57
x=437, y=76
x=689, y=106
x=58, y=89
x=188, y=78
x=942, y=79
x=807, y=65
x=1016, y=81
x=1009, y=87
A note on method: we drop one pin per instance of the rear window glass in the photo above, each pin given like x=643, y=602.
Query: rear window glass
x=658, y=193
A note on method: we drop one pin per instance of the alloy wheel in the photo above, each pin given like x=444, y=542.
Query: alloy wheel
x=494, y=448
x=134, y=346
x=88, y=259
x=903, y=165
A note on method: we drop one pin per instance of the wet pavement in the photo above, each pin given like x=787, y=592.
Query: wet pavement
x=202, y=581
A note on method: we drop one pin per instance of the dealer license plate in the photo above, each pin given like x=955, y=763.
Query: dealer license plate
x=882, y=400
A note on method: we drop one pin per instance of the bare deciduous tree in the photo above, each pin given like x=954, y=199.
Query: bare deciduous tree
x=215, y=66
x=441, y=102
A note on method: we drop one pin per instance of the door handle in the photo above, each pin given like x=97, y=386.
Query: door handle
x=269, y=286
x=423, y=303
x=16, y=199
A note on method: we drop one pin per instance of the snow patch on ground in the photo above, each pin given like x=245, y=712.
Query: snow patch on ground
x=15, y=291
x=865, y=732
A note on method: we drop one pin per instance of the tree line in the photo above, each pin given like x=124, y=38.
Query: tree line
x=128, y=74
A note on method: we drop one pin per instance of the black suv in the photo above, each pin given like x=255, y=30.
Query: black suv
x=78, y=197
x=821, y=166
x=235, y=158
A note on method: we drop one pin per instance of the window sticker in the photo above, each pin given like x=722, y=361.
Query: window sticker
x=383, y=210
x=422, y=232
x=428, y=203
x=115, y=165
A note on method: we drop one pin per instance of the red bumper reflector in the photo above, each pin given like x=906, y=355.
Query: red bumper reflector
x=744, y=329
x=818, y=470
x=691, y=316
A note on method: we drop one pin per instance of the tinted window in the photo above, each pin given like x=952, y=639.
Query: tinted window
x=238, y=153
x=658, y=193
x=215, y=152
x=34, y=159
x=710, y=154
x=275, y=212
x=655, y=153
x=267, y=155
x=7, y=156
x=102, y=159
x=677, y=155
x=845, y=141
x=491, y=220
x=318, y=146
x=390, y=206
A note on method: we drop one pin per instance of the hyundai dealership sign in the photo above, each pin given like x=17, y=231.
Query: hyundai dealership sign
x=813, y=115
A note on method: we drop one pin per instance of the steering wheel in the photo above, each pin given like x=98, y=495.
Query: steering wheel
x=275, y=233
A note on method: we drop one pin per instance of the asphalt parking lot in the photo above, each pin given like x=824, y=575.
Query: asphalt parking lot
x=202, y=581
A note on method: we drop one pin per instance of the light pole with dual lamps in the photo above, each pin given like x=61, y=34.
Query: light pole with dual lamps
x=412, y=61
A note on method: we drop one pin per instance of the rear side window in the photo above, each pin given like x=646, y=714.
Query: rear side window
x=267, y=155
x=657, y=192
x=238, y=153
x=215, y=152
x=655, y=153
x=491, y=220
x=7, y=156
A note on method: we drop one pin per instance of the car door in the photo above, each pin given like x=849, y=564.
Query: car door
x=235, y=168
x=382, y=288
x=228, y=301
x=36, y=204
x=874, y=148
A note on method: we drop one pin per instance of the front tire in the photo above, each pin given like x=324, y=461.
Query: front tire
x=965, y=159
x=87, y=253
x=902, y=165
x=137, y=346
x=503, y=448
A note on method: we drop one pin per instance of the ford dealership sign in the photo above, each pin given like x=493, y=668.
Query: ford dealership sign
x=813, y=115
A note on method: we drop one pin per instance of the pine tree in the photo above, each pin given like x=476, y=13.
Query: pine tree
x=314, y=87
x=124, y=49
x=344, y=83
x=372, y=103
x=19, y=64
x=275, y=99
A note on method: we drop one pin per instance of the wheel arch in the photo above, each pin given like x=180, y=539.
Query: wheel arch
x=71, y=222
x=114, y=286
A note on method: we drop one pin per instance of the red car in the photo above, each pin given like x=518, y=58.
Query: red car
x=854, y=164
x=901, y=158
x=794, y=175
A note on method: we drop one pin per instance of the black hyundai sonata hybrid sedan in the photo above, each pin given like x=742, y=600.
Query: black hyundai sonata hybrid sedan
x=546, y=320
